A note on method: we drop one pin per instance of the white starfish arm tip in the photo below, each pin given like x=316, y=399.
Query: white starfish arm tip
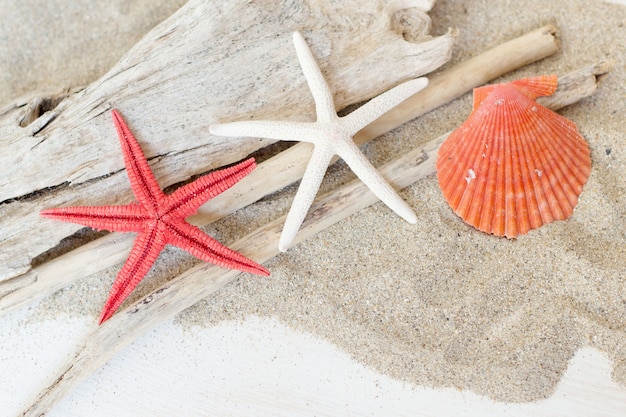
x=402, y=209
x=299, y=42
x=408, y=88
x=217, y=129
x=422, y=82
x=285, y=242
x=382, y=103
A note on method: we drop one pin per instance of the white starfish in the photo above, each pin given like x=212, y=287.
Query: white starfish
x=331, y=135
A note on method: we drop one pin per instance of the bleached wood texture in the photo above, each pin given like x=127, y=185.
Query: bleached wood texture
x=210, y=62
x=260, y=245
x=284, y=168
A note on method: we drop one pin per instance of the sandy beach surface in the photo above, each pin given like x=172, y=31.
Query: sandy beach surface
x=436, y=304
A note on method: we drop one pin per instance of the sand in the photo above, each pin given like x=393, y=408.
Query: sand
x=48, y=46
x=436, y=304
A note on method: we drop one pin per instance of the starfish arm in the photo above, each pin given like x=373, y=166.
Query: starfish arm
x=381, y=104
x=186, y=200
x=324, y=104
x=367, y=173
x=142, y=181
x=300, y=131
x=203, y=246
x=129, y=218
x=146, y=249
x=305, y=195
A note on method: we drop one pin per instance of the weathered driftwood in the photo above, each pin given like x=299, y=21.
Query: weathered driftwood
x=283, y=169
x=202, y=280
x=209, y=62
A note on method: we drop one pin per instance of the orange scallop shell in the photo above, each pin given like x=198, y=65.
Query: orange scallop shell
x=513, y=165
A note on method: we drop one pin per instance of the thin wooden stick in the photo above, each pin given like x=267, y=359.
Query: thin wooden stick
x=260, y=245
x=283, y=169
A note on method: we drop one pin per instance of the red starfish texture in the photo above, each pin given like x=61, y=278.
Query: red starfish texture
x=159, y=219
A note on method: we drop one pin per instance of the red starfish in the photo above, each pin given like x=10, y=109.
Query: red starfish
x=158, y=218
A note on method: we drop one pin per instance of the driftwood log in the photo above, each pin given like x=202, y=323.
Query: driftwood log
x=210, y=62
